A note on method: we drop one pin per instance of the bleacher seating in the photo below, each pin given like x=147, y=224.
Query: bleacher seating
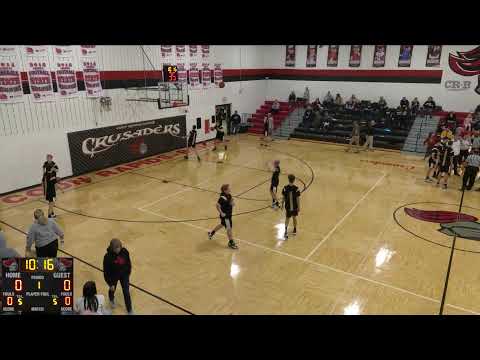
x=256, y=121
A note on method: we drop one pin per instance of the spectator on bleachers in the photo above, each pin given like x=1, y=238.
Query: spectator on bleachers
x=429, y=106
x=354, y=99
x=477, y=110
x=476, y=141
x=404, y=103
x=467, y=122
x=382, y=102
x=350, y=104
x=327, y=121
x=292, y=98
x=275, y=106
x=338, y=100
x=328, y=99
x=415, y=106
x=451, y=121
x=90, y=303
x=317, y=122
x=456, y=155
x=306, y=95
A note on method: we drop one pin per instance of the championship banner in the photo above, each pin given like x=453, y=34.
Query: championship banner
x=60, y=50
x=355, y=56
x=104, y=147
x=166, y=52
x=379, y=55
x=311, y=55
x=36, y=50
x=217, y=74
x=40, y=78
x=182, y=73
x=8, y=50
x=332, y=57
x=193, y=51
x=88, y=50
x=194, y=76
x=180, y=51
x=433, y=55
x=66, y=79
x=205, y=51
x=290, y=55
x=91, y=77
x=206, y=75
x=11, y=90
x=405, y=56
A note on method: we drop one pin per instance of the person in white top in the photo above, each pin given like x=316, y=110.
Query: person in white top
x=467, y=123
x=91, y=303
x=456, y=155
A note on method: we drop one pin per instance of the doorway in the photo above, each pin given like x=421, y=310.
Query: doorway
x=223, y=113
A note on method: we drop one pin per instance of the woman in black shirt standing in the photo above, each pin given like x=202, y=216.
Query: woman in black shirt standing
x=49, y=179
x=225, y=206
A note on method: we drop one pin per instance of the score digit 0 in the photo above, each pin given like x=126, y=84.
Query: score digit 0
x=18, y=285
x=67, y=285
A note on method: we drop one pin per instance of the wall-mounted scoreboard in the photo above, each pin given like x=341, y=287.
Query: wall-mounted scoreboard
x=37, y=285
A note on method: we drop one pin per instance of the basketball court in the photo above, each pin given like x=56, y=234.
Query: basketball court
x=357, y=250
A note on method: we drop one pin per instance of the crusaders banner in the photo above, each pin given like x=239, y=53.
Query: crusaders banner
x=88, y=50
x=218, y=74
x=332, y=57
x=91, y=77
x=405, y=56
x=194, y=76
x=433, y=55
x=101, y=148
x=11, y=90
x=206, y=76
x=182, y=73
x=379, y=55
x=205, y=51
x=290, y=55
x=311, y=55
x=193, y=51
x=180, y=51
x=40, y=78
x=355, y=56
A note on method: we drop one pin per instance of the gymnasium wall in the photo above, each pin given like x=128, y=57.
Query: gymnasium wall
x=30, y=130
x=428, y=81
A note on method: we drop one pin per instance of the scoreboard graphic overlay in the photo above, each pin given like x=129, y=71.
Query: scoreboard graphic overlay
x=37, y=285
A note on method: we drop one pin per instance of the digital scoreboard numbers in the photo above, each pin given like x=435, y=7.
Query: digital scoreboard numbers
x=170, y=73
x=37, y=285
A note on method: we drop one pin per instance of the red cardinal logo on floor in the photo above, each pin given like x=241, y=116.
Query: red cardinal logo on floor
x=466, y=63
x=451, y=223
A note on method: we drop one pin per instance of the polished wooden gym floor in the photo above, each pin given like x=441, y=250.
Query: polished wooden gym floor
x=356, y=251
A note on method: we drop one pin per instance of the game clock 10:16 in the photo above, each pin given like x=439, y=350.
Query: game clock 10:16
x=33, y=264
x=170, y=73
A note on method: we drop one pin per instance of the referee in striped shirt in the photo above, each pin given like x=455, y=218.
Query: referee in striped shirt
x=472, y=166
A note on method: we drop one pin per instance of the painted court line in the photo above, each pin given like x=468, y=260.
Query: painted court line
x=325, y=238
x=189, y=188
x=317, y=264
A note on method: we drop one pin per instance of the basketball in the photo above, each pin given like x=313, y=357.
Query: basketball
x=221, y=85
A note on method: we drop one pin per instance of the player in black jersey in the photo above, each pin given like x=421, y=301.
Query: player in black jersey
x=225, y=206
x=291, y=201
x=274, y=183
x=192, y=140
x=433, y=162
x=219, y=136
x=49, y=179
x=445, y=162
